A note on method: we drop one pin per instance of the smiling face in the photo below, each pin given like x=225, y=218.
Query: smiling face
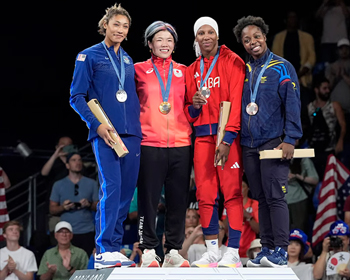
x=254, y=41
x=162, y=44
x=116, y=29
x=207, y=40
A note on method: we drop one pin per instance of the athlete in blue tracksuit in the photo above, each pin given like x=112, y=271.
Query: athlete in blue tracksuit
x=270, y=120
x=97, y=77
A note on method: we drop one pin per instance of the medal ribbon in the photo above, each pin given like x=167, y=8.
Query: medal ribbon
x=253, y=94
x=121, y=77
x=165, y=92
x=210, y=68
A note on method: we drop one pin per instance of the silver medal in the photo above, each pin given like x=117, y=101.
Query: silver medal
x=121, y=95
x=205, y=92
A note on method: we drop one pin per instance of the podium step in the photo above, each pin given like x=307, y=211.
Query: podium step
x=137, y=273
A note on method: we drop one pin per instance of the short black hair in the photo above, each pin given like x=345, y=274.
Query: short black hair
x=249, y=20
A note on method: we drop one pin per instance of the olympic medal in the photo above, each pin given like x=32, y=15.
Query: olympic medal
x=121, y=95
x=165, y=108
x=252, y=108
x=205, y=92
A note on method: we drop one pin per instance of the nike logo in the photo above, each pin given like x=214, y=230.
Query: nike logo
x=137, y=154
x=107, y=58
x=235, y=165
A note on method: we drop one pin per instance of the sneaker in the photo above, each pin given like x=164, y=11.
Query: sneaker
x=112, y=259
x=256, y=262
x=174, y=259
x=150, y=259
x=230, y=259
x=277, y=259
x=208, y=259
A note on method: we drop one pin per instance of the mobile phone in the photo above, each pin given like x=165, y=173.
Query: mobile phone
x=70, y=149
x=77, y=204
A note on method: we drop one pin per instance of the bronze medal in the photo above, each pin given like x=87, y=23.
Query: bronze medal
x=252, y=108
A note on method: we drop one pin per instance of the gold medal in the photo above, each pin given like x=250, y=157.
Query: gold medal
x=165, y=108
x=252, y=108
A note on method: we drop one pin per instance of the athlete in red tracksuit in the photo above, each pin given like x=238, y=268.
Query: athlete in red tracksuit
x=225, y=83
x=165, y=147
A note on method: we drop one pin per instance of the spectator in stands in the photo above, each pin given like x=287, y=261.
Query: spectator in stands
x=334, y=15
x=53, y=170
x=192, y=218
x=324, y=115
x=61, y=261
x=250, y=228
x=193, y=235
x=336, y=241
x=338, y=74
x=254, y=248
x=16, y=262
x=4, y=217
x=302, y=180
x=75, y=198
x=298, y=247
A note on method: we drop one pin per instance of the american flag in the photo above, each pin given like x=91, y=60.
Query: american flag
x=334, y=189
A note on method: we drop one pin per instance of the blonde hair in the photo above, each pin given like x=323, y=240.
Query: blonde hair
x=111, y=12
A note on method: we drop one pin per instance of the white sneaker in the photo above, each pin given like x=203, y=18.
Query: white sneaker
x=230, y=259
x=208, y=259
x=174, y=259
x=150, y=259
x=112, y=259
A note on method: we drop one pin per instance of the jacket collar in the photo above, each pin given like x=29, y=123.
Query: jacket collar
x=161, y=61
x=260, y=60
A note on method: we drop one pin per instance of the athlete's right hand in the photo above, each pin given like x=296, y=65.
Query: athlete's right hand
x=103, y=131
x=198, y=100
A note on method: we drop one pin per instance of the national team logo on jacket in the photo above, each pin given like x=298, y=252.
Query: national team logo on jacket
x=177, y=73
x=126, y=59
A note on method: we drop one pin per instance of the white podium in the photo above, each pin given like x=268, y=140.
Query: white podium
x=137, y=273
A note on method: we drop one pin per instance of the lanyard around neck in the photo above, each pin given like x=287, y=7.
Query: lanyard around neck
x=210, y=68
x=165, y=92
x=253, y=94
x=121, y=76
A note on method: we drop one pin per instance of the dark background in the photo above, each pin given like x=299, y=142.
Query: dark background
x=40, y=40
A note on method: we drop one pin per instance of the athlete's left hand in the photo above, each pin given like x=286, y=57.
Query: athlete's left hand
x=221, y=153
x=287, y=150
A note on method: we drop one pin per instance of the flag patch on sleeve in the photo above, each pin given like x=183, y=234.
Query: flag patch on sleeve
x=81, y=57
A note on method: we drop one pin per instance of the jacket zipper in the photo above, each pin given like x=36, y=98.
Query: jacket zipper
x=167, y=117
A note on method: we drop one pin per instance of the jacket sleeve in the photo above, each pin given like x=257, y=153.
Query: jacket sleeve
x=289, y=92
x=236, y=81
x=191, y=113
x=80, y=85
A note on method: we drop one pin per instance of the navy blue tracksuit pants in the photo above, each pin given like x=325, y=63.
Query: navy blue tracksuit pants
x=118, y=179
x=267, y=180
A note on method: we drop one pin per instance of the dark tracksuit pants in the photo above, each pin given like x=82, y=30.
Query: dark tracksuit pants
x=117, y=178
x=267, y=181
x=168, y=167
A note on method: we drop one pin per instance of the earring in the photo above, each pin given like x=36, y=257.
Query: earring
x=173, y=51
x=150, y=50
x=126, y=38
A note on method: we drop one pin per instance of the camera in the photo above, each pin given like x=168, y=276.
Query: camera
x=335, y=242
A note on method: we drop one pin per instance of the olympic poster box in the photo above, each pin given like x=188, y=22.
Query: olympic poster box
x=185, y=273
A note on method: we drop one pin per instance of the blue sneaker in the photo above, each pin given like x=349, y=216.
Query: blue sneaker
x=112, y=259
x=277, y=259
x=256, y=262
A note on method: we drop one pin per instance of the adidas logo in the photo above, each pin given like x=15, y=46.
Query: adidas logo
x=235, y=165
x=196, y=75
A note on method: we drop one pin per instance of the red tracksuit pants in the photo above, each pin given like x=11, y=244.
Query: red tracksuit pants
x=209, y=179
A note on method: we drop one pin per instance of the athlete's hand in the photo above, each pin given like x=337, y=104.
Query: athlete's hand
x=103, y=130
x=221, y=153
x=198, y=100
x=287, y=150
